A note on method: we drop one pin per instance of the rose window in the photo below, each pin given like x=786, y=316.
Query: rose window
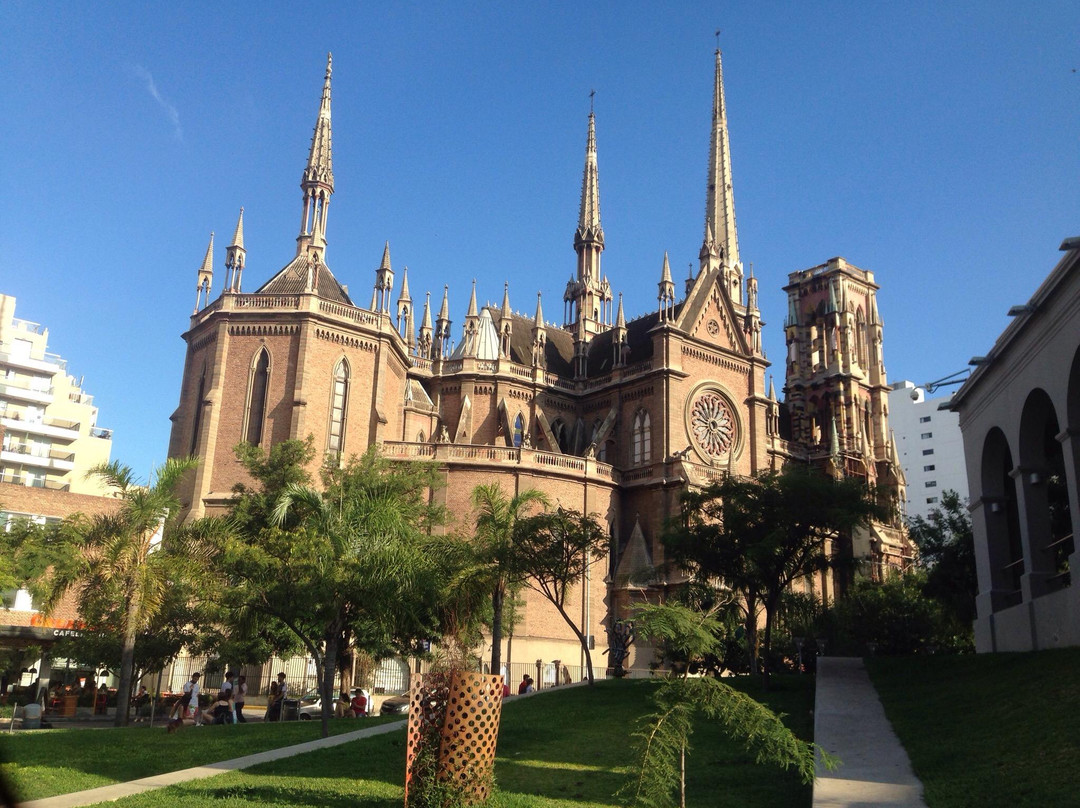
x=712, y=424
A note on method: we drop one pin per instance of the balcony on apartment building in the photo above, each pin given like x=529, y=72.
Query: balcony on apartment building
x=49, y=427
x=57, y=458
x=33, y=480
x=35, y=394
x=51, y=363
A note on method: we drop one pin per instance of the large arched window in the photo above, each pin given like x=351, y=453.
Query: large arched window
x=641, y=438
x=196, y=423
x=258, y=384
x=1002, y=521
x=339, y=401
x=519, y=429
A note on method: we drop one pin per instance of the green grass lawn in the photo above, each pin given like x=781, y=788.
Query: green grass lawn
x=45, y=763
x=569, y=748
x=988, y=729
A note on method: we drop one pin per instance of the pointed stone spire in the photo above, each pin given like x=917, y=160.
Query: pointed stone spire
x=772, y=389
x=205, y=277
x=473, y=309
x=720, y=249
x=689, y=278
x=666, y=295
x=590, y=294
x=538, y=320
x=426, y=331
x=317, y=182
x=620, y=319
x=589, y=213
x=235, y=256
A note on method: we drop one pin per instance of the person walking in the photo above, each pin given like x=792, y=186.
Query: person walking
x=239, y=697
x=190, y=699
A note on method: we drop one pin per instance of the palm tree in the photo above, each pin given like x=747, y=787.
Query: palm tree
x=497, y=515
x=114, y=555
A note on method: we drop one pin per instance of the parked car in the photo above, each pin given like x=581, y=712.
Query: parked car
x=396, y=705
x=310, y=705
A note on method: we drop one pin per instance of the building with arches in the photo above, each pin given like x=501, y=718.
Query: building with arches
x=1020, y=418
x=607, y=415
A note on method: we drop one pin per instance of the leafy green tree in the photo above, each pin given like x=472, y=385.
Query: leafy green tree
x=760, y=534
x=947, y=553
x=553, y=552
x=896, y=617
x=664, y=735
x=355, y=563
x=494, y=568
x=122, y=564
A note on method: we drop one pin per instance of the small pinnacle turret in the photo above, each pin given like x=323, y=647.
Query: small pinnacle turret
x=235, y=256
x=404, y=305
x=427, y=333
x=506, y=322
x=205, y=277
x=539, y=335
x=666, y=295
x=442, y=327
x=384, y=281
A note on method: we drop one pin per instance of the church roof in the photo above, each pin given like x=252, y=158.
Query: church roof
x=292, y=280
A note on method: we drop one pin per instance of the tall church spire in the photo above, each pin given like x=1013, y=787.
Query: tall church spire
x=590, y=295
x=721, y=238
x=317, y=182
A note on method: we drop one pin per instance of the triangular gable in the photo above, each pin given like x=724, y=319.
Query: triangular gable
x=464, y=424
x=708, y=315
x=635, y=570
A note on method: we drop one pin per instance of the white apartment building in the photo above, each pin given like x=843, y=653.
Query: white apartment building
x=930, y=446
x=48, y=423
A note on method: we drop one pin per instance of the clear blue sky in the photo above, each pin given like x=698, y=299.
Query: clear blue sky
x=934, y=143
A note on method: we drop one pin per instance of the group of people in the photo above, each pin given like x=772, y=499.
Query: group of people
x=527, y=685
x=227, y=707
x=356, y=706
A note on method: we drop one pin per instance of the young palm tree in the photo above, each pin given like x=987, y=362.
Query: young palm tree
x=497, y=515
x=114, y=554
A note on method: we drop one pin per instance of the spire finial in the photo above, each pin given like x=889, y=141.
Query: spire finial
x=592, y=95
x=538, y=320
x=717, y=40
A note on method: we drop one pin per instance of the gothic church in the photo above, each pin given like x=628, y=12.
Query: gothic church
x=610, y=416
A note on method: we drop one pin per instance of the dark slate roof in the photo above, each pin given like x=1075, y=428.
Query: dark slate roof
x=560, y=345
x=292, y=280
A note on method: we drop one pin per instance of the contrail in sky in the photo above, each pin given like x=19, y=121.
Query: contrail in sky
x=170, y=111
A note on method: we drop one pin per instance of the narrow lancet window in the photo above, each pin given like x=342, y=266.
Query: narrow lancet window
x=339, y=400
x=258, y=386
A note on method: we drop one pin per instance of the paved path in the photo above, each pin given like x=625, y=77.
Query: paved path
x=849, y=722
x=118, y=790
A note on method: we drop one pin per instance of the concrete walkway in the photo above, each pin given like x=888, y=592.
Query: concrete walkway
x=850, y=723
x=118, y=790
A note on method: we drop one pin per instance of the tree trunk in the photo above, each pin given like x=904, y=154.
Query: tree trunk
x=127, y=664
x=327, y=677
x=581, y=639
x=497, y=598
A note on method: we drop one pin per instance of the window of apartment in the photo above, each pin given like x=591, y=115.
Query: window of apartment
x=339, y=400
x=931, y=483
x=925, y=419
x=931, y=467
x=641, y=438
x=926, y=435
x=927, y=452
x=931, y=500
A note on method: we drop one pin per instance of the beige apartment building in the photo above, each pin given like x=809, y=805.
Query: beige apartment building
x=48, y=422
